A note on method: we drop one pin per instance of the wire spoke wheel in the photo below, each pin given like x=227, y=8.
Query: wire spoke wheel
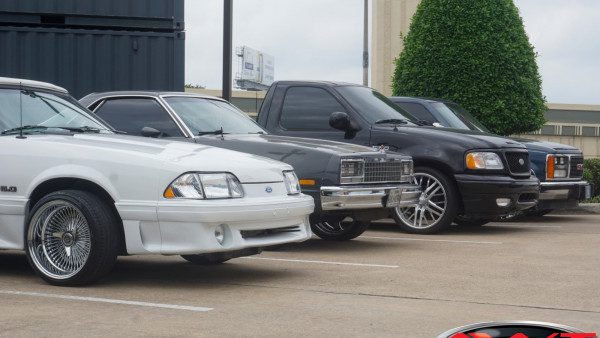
x=59, y=239
x=332, y=225
x=431, y=207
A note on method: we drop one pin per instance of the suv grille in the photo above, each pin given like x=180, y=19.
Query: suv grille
x=383, y=172
x=518, y=163
x=576, y=167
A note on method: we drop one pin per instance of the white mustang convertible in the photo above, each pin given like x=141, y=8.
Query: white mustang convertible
x=74, y=195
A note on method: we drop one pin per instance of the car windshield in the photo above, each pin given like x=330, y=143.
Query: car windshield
x=373, y=105
x=208, y=116
x=42, y=110
x=469, y=121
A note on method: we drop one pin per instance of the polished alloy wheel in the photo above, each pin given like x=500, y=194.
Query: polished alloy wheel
x=431, y=206
x=59, y=239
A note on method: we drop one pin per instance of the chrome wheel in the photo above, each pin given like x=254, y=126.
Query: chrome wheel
x=59, y=239
x=431, y=206
x=332, y=225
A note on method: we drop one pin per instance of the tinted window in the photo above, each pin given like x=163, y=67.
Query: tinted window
x=308, y=108
x=418, y=110
x=205, y=115
x=41, y=109
x=373, y=105
x=132, y=114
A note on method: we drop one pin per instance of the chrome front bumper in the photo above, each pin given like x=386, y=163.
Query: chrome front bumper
x=361, y=197
x=565, y=190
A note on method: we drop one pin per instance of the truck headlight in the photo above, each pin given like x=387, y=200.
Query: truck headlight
x=291, y=182
x=484, y=160
x=352, y=170
x=205, y=186
x=557, y=166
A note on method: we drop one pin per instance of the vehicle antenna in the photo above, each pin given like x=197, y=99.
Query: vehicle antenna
x=21, y=110
x=222, y=136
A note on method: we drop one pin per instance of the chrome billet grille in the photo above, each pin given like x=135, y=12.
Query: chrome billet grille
x=518, y=162
x=576, y=167
x=383, y=172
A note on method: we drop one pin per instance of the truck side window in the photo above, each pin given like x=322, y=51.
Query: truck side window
x=133, y=114
x=308, y=108
x=418, y=110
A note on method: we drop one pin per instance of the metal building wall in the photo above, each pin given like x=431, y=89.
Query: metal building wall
x=94, y=45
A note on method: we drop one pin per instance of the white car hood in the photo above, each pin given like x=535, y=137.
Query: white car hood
x=178, y=156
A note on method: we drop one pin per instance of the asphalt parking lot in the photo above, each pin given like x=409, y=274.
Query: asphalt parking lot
x=385, y=283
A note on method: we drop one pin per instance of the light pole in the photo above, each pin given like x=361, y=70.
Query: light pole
x=227, y=51
x=366, y=45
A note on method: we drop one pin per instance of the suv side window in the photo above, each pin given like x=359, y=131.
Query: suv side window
x=132, y=114
x=418, y=110
x=308, y=108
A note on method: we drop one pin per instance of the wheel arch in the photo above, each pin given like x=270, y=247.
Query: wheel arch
x=446, y=170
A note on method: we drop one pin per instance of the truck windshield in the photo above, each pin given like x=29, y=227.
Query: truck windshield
x=206, y=116
x=41, y=111
x=372, y=105
x=466, y=119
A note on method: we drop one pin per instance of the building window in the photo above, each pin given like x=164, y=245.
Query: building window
x=568, y=130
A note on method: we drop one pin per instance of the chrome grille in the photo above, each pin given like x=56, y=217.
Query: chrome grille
x=576, y=167
x=518, y=162
x=379, y=172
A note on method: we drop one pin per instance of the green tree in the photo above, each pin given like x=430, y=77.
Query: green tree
x=477, y=54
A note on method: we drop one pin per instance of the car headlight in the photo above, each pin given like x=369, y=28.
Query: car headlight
x=352, y=170
x=557, y=166
x=205, y=186
x=291, y=182
x=484, y=160
x=407, y=168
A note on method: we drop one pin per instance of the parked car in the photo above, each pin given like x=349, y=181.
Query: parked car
x=346, y=181
x=466, y=176
x=74, y=195
x=559, y=167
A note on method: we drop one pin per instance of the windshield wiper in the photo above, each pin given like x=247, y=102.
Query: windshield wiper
x=395, y=121
x=214, y=132
x=82, y=129
x=18, y=129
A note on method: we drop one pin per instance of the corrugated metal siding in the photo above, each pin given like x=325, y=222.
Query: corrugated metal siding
x=85, y=61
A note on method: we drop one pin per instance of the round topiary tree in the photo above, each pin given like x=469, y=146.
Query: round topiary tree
x=477, y=54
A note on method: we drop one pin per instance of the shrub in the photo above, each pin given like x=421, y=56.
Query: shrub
x=477, y=54
x=591, y=173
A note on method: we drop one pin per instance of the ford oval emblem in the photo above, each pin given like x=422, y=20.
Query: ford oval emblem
x=521, y=161
x=269, y=190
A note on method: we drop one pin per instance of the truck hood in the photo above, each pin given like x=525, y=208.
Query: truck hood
x=466, y=139
x=291, y=143
x=546, y=147
x=170, y=155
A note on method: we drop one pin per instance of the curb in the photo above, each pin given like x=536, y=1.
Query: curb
x=583, y=208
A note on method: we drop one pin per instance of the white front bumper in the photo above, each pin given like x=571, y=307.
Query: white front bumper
x=188, y=226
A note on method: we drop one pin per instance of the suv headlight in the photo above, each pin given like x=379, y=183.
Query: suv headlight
x=557, y=166
x=484, y=160
x=205, y=186
x=352, y=171
x=291, y=182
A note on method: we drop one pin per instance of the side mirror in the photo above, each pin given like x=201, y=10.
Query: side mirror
x=151, y=132
x=340, y=121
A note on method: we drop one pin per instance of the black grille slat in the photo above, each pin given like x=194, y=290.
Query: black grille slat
x=518, y=162
x=383, y=171
x=575, y=162
x=268, y=232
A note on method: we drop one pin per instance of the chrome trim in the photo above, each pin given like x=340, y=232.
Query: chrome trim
x=360, y=197
x=482, y=325
x=551, y=184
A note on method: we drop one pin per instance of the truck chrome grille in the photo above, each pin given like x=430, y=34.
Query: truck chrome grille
x=518, y=163
x=576, y=167
x=379, y=172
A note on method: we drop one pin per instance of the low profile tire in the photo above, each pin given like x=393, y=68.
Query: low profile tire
x=437, y=207
x=469, y=222
x=335, y=229
x=206, y=259
x=72, y=238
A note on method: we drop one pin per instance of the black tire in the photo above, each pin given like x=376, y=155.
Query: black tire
x=402, y=216
x=471, y=222
x=335, y=229
x=93, y=244
x=537, y=212
x=206, y=259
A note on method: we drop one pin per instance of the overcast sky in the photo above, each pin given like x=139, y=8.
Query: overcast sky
x=322, y=39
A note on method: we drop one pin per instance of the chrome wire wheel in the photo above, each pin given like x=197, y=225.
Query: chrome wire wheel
x=431, y=207
x=59, y=239
x=332, y=225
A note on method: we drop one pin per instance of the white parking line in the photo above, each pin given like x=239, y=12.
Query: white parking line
x=524, y=226
x=323, y=262
x=107, y=300
x=429, y=240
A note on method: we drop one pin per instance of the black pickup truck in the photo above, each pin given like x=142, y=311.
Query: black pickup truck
x=467, y=177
